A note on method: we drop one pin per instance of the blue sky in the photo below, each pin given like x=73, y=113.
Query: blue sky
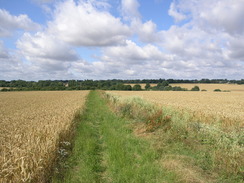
x=121, y=39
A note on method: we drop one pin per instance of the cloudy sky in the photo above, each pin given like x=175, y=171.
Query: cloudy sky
x=121, y=39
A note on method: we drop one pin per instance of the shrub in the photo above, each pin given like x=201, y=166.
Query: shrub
x=217, y=90
x=148, y=86
x=136, y=87
x=195, y=88
x=4, y=89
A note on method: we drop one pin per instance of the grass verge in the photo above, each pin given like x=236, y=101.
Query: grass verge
x=106, y=150
x=194, y=151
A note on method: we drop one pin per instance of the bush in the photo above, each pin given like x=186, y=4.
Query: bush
x=4, y=89
x=136, y=88
x=195, y=88
x=148, y=86
x=217, y=90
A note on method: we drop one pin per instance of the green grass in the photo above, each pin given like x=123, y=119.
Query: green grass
x=194, y=151
x=106, y=150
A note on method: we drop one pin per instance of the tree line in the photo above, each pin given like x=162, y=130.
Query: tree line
x=115, y=84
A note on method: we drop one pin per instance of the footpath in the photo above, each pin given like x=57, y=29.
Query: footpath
x=106, y=150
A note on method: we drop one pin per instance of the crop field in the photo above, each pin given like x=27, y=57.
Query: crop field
x=208, y=87
x=212, y=87
x=31, y=125
x=205, y=128
x=225, y=105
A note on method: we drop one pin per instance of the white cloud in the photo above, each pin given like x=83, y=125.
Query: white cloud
x=220, y=15
x=10, y=23
x=3, y=51
x=174, y=12
x=132, y=54
x=11, y=66
x=83, y=24
x=45, y=46
x=235, y=47
x=46, y=56
x=129, y=9
x=208, y=44
x=147, y=32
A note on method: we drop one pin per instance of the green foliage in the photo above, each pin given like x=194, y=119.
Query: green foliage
x=210, y=148
x=195, y=88
x=162, y=84
x=106, y=150
x=217, y=90
x=178, y=88
x=136, y=87
x=148, y=86
x=5, y=89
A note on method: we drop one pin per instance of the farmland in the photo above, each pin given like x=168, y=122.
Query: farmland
x=212, y=87
x=133, y=136
x=31, y=128
x=208, y=87
x=223, y=105
x=192, y=131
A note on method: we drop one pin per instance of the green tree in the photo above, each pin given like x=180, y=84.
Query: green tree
x=136, y=88
x=148, y=86
x=195, y=88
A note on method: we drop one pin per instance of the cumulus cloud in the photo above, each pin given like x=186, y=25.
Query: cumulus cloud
x=206, y=41
x=210, y=41
x=83, y=24
x=10, y=64
x=131, y=53
x=129, y=9
x=10, y=23
x=220, y=15
x=46, y=55
x=146, y=31
x=3, y=51
x=45, y=46
x=174, y=12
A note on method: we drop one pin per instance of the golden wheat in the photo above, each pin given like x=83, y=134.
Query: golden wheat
x=212, y=87
x=208, y=87
x=224, y=105
x=31, y=123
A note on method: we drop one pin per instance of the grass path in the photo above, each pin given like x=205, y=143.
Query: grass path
x=106, y=150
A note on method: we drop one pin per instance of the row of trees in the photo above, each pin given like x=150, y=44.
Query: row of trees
x=165, y=86
x=105, y=83
x=162, y=84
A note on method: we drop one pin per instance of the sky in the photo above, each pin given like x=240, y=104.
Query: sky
x=121, y=39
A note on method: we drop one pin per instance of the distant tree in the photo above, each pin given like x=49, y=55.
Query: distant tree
x=148, y=86
x=165, y=83
x=168, y=88
x=136, y=88
x=127, y=87
x=4, y=89
x=195, y=88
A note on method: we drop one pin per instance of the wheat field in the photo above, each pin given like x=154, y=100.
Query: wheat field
x=212, y=87
x=31, y=124
x=229, y=106
x=208, y=87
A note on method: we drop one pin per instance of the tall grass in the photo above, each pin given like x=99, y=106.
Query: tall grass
x=209, y=107
x=181, y=133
